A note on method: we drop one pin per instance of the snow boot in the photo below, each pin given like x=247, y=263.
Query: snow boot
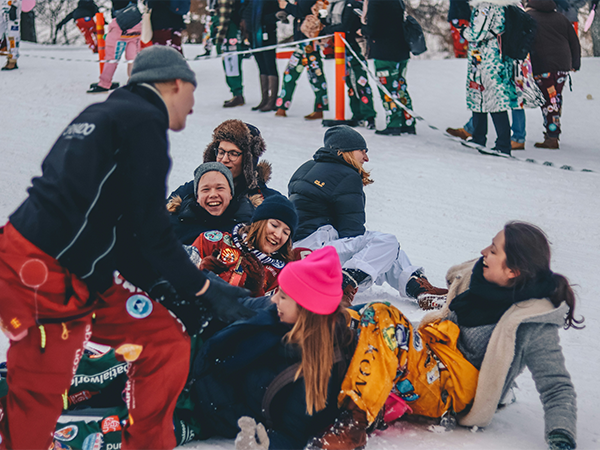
x=426, y=295
x=349, y=431
x=314, y=115
x=514, y=145
x=549, y=142
x=408, y=129
x=238, y=100
x=11, y=64
x=273, y=84
x=390, y=131
x=351, y=278
x=264, y=89
x=459, y=133
x=281, y=113
x=95, y=89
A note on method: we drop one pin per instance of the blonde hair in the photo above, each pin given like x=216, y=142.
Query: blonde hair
x=315, y=334
x=256, y=231
x=350, y=159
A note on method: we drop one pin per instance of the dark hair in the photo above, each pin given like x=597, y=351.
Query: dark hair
x=528, y=251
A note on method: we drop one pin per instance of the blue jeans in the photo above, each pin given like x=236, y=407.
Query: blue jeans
x=517, y=127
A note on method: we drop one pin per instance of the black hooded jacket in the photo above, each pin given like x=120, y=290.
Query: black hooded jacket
x=99, y=205
x=328, y=191
x=384, y=31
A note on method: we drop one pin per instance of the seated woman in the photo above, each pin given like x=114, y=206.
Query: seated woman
x=210, y=206
x=284, y=366
x=238, y=145
x=502, y=316
x=328, y=193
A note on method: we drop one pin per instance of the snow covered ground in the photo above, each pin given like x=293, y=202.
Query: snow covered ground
x=444, y=202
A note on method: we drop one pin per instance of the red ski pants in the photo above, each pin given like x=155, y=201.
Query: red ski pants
x=87, y=26
x=41, y=364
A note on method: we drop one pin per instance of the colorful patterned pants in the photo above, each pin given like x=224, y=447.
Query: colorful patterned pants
x=306, y=55
x=359, y=91
x=460, y=44
x=392, y=75
x=232, y=64
x=87, y=26
x=117, y=43
x=551, y=84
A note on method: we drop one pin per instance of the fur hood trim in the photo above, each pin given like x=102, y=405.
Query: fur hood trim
x=252, y=146
x=500, y=352
x=495, y=2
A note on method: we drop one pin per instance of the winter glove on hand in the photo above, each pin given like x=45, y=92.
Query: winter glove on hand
x=213, y=264
x=255, y=274
x=311, y=26
x=222, y=299
x=252, y=436
x=559, y=440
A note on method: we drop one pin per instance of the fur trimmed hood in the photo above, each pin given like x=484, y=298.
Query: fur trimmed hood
x=248, y=140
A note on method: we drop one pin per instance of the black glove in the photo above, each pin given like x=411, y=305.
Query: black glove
x=559, y=440
x=222, y=300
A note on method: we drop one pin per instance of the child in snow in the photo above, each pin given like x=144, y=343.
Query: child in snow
x=283, y=367
x=502, y=316
x=328, y=193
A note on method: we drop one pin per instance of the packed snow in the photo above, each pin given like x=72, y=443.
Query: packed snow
x=442, y=200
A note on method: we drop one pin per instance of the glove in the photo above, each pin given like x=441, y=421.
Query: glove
x=311, y=26
x=255, y=274
x=213, y=264
x=252, y=436
x=194, y=316
x=222, y=300
x=558, y=440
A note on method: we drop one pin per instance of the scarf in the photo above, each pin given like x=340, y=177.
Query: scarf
x=484, y=303
x=265, y=259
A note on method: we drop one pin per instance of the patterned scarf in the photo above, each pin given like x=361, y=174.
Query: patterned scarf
x=484, y=303
x=239, y=241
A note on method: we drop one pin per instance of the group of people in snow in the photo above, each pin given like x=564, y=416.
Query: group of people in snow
x=250, y=329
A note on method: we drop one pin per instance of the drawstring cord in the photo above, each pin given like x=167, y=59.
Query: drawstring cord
x=43, y=338
x=65, y=333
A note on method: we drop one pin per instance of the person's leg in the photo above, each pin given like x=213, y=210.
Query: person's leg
x=167, y=37
x=87, y=26
x=480, y=125
x=155, y=344
x=270, y=63
x=518, y=126
x=133, y=46
x=502, y=125
x=115, y=47
x=316, y=77
x=13, y=39
x=293, y=70
x=359, y=91
x=469, y=128
x=408, y=122
x=232, y=65
x=459, y=43
x=388, y=72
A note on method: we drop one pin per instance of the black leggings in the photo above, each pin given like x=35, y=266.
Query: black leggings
x=267, y=62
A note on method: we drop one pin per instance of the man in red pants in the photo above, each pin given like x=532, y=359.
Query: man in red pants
x=99, y=207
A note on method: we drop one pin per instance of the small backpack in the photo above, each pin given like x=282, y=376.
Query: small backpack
x=181, y=7
x=519, y=33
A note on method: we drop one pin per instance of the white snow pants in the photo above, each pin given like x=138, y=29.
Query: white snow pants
x=10, y=28
x=375, y=253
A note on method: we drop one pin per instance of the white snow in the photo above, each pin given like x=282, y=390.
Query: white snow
x=443, y=201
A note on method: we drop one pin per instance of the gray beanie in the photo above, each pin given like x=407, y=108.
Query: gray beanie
x=161, y=63
x=212, y=167
x=344, y=139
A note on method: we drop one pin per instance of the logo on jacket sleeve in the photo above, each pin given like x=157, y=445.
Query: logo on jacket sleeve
x=78, y=130
x=139, y=306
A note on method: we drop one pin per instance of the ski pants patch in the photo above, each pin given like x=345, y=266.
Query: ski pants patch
x=551, y=84
x=392, y=75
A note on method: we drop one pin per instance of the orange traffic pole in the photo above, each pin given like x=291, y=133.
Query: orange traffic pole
x=101, y=43
x=340, y=75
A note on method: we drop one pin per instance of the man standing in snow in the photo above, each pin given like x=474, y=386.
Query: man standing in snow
x=99, y=207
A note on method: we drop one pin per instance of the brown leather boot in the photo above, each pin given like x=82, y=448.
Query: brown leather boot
x=281, y=113
x=517, y=145
x=238, y=100
x=459, y=133
x=11, y=64
x=348, y=432
x=314, y=115
x=427, y=295
x=273, y=91
x=549, y=142
x=264, y=90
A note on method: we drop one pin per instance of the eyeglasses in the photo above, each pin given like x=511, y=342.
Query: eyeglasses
x=232, y=154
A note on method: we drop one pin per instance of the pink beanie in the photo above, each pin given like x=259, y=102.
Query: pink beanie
x=315, y=282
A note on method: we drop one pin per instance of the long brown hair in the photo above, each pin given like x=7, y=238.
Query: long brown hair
x=364, y=174
x=257, y=230
x=528, y=251
x=316, y=336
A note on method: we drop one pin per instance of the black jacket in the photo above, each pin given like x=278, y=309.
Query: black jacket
x=556, y=46
x=162, y=18
x=350, y=23
x=99, y=205
x=260, y=21
x=384, y=31
x=326, y=191
x=299, y=11
x=191, y=219
x=233, y=370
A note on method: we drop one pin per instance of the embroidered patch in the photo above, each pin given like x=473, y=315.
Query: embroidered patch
x=433, y=375
x=213, y=236
x=227, y=239
x=402, y=337
x=229, y=255
x=389, y=336
x=362, y=81
x=93, y=442
x=130, y=352
x=139, y=306
x=66, y=434
x=110, y=424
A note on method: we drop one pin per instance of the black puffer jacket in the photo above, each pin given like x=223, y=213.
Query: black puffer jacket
x=384, y=31
x=556, y=46
x=162, y=18
x=236, y=366
x=191, y=219
x=325, y=191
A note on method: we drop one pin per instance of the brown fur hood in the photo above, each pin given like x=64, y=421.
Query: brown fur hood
x=250, y=142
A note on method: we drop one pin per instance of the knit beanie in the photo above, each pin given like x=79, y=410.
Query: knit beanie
x=315, y=282
x=344, y=139
x=160, y=63
x=278, y=207
x=212, y=167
